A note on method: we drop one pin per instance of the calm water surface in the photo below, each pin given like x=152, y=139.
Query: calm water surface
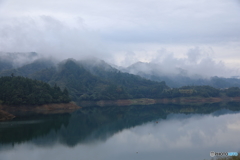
x=129, y=133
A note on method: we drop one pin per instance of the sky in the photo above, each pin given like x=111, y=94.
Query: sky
x=193, y=33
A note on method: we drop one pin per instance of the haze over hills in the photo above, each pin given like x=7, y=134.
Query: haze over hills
x=148, y=54
x=28, y=69
x=94, y=79
x=29, y=63
x=91, y=79
x=155, y=72
x=10, y=60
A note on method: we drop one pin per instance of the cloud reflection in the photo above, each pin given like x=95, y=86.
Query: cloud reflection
x=183, y=138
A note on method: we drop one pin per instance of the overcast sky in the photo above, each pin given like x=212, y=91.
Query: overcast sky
x=123, y=32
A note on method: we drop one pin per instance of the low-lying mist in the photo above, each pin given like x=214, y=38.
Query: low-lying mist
x=196, y=64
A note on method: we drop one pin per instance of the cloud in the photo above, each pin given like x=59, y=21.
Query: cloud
x=112, y=30
x=49, y=36
x=18, y=59
x=193, y=54
x=162, y=21
x=180, y=22
x=198, y=62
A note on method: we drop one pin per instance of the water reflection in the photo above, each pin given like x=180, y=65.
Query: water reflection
x=27, y=128
x=133, y=132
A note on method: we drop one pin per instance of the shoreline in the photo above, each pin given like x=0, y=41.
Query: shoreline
x=148, y=101
x=8, y=112
x=4, y=116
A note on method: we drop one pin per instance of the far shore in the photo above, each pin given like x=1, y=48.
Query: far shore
x=148, y=101
x=8, y=112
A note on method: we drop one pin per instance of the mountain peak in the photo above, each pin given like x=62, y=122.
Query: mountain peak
x=95, y=65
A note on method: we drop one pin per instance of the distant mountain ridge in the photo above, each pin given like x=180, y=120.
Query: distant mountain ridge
x=90, y=79
x=152, y=72
x=28, y=69
x=94, y=80
x=10, y=60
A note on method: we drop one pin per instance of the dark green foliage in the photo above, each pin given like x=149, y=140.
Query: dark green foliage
x=25, y=91
x=233, y=92
x=204, y=91
x=188, y=91
x=99, y=83
x=44, y=75
x=96, y=80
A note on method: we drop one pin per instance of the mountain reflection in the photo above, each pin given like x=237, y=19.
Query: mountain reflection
x=95, y=123
x=31, y=127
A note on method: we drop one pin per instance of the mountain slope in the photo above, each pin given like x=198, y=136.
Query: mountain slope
x=4, y=65
x=25, y=91
x=86, y=81
x=155, y=73
x=28, y=69
x=94, y=79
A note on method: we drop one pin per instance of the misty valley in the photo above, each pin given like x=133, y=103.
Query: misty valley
x=89, y=109
x=119, y=80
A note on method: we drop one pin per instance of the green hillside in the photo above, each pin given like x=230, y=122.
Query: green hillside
x=25, y=91
x=96, y=80
x=108, y=85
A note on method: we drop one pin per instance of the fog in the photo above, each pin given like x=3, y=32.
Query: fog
x=49, y=37
x=192, y=38
x=198, y=63
x=17, y=59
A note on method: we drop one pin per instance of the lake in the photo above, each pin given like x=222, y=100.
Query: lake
x=154, y=132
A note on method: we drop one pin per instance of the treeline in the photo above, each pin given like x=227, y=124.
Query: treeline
x=24, y=91
x=201, y=91
x=189, y=91
x=106, y=85
x=232, y=92
x=99, y=82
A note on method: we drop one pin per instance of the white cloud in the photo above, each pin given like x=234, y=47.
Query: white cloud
x=49, y=36
x=196, y=62
x=113, y=29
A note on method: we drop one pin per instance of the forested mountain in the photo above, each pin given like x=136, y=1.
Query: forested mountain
x=4, y=65
x=28, y=69
x=91, y=79
x=135, y=85
x=96, y=66
x=25, y=91
x=155, y=73
x=94, y=79
x=10, y=60
x=96, y=83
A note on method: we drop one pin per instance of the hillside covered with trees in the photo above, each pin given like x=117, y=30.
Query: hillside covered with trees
x=108, y=85
x=155, y=72
x=90, y=80
x=24, y=91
